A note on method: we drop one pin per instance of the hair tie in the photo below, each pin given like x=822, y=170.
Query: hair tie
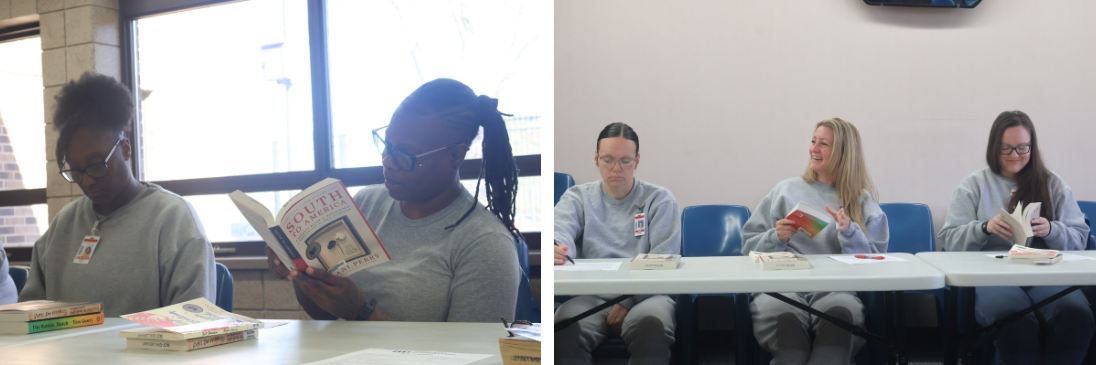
x=490, y=105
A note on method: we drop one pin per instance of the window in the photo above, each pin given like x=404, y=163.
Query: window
x=291, y=89
x=22, y=143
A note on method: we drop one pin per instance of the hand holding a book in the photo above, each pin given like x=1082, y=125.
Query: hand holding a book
x=336, y=295
x=785, y=229
x=1040, y=227
x=998, y=227
x=615, y=320
x=839, y=216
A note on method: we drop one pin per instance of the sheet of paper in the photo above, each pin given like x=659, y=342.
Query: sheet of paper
x=531, y=332
x=852, y=260
x=1065, y=256
x=589, y=266
x=401, y=357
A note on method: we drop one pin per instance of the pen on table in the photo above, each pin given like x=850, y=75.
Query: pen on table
x=1001, y=256
x=870, y=257
x=568, y=257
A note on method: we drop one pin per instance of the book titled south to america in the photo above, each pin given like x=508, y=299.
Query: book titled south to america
x=191, y=344
x=188, y=320
x=51, y=324
x=37, y=310
x=322, y=227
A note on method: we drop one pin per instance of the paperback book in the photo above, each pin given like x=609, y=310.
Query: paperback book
x=187, y=320
x=51, y=324
x=37, y=310
x=780, y=260
x=808, y=220
x=1034, y=255
x=192, y=344
x=645, y=261
x=1019, y=222
x=321, y=228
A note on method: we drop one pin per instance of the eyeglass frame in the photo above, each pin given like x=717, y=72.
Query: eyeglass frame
x=85, y=170
x=388, y=147
x=1010, y=149
x=619, y=161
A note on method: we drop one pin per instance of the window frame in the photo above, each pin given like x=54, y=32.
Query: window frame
x=324, y=164
x=21, y=197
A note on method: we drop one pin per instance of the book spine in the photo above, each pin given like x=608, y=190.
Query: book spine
x=287, y=246
x=65, y=322
x=64, y=312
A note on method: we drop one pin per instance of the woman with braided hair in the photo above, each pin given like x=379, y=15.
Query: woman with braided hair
x=452, y=258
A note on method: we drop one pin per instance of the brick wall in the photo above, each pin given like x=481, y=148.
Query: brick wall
x=17, y=224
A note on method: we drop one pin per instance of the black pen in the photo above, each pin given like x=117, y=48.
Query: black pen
x=1000, y=256
x=568, y=257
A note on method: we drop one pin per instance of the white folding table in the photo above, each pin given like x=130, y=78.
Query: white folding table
x=739, y=274
x=966, y=270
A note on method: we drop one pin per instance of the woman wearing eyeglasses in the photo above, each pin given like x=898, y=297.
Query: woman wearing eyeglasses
x=1016, y=174
x=837, y=181
x=618, y=216
x=452, y=259
x=131, y=245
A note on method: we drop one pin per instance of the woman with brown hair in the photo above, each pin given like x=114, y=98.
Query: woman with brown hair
x=1016, y=174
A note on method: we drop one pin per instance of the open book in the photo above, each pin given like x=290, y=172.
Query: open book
x=190, y=319
x=321, y=227
x=808, y=220
x=1020, y=222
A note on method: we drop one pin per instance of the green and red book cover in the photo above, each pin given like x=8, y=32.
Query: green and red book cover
x=808, y=220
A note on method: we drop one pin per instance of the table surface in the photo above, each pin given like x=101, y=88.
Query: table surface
x=739, y=274
x=295, y=342
x=977, y=269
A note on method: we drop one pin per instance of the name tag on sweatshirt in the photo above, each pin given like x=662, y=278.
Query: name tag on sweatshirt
x=87, y=248
x=641, y=224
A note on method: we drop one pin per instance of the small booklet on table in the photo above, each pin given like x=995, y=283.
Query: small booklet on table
x=321, y=228
x=808, y=220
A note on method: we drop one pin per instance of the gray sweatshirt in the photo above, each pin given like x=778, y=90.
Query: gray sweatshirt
x=468, y=273
x=981, y=196
x=606, y=226
x=759, y=233
x=152, y=252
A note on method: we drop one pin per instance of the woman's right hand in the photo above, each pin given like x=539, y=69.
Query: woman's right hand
x=275, y=265
x=785, y=229
x=998, y=227
x=561, y=254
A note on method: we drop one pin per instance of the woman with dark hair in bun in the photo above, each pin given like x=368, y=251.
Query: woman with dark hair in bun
x=618, y=216
x=452, y=258
x=147, y=248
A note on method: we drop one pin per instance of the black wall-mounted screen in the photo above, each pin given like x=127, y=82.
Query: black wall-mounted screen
x=927, y=3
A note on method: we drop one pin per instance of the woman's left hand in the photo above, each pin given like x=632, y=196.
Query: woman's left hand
x=336, y=295
x=1040, y=227
x=840, y=217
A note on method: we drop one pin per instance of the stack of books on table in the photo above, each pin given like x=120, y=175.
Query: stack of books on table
x=1033, y=255
x=187, y=326
x=43, y=315
x=522, y=346
x=780, y=260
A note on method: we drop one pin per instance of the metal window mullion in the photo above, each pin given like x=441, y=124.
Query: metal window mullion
x=321, y=91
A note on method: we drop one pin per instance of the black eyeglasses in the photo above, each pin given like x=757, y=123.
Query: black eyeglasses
x=1021, y=149
x=96, y=170
x=405, y=161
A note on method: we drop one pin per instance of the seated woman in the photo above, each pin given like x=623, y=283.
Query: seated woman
x=452, y=259
x=837, y=179
x=606, y=214
x=1016, y=174
x=151, y=249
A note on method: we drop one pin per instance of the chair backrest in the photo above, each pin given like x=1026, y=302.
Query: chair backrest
x=527, y=305
x=713, y=230
x=1089, y=209
x=19, y=276
x=224, y=287
x=910, y=226
x=562, y=183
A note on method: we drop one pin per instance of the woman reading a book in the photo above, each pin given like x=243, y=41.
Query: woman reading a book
x=618, y=216
x=1016, y=175
x=129, y=244
x=452, y=259
x=837, y=180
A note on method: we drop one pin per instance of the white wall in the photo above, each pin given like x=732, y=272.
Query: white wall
x=724, y=94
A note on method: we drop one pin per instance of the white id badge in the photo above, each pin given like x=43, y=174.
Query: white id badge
x=87, y=248
x=641, y=224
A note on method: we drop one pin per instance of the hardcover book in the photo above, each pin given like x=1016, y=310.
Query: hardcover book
x=188, y=320
x=192, y=344
x=808, y=220
x=321, y=228
x=1019, y=222
x=37, y=310
x=51, y=324
x=646, y=261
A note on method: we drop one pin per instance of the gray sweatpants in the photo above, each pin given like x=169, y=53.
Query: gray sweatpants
x=785, y=331
x=648, y=330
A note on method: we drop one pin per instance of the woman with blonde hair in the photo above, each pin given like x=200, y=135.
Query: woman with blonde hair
x=836, y=179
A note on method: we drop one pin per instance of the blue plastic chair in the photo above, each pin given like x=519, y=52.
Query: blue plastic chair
x=1088, y=208
x=562, y=183
x=713, y=230
x=527, y=306
x=911, y=231
x=19, y=276
x=224, y=287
